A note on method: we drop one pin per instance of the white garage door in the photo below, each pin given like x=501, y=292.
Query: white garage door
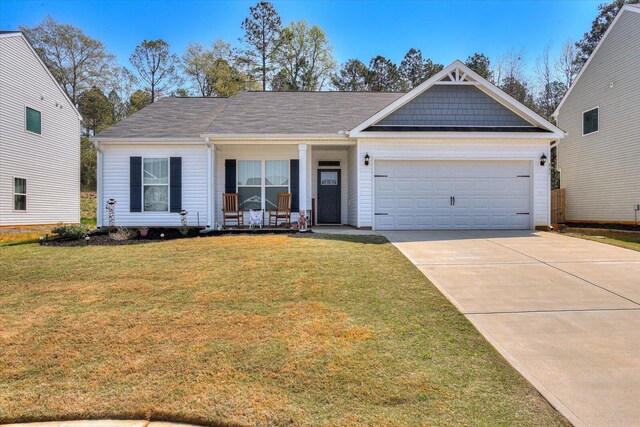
x=413, y=195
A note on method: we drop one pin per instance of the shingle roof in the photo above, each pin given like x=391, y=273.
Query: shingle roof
x=252, y=113
x=169, y=117
x=9, y=32
x=298, y=112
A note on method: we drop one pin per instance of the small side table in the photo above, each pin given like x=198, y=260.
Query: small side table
x=256, y=217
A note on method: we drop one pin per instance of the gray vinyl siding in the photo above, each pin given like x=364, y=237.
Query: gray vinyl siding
x=453, y=105
x=50, y=162
x=601, y=171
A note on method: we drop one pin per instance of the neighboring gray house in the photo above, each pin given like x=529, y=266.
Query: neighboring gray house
x=455, y=152
x=39, y=140
x=599, y=159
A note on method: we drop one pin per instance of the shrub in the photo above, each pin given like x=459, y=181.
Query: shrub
x=71, y=232
x=122, y=233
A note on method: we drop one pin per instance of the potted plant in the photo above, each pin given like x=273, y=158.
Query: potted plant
x=144, y=231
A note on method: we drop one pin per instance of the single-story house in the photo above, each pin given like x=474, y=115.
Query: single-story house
x=455, y=152
x=599, y=160
x=39, y=140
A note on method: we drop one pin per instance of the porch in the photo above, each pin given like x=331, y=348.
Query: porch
x=316, y=175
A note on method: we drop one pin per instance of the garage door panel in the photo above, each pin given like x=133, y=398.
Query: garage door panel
x=417, y=194
x=405, y=203
x=424, y=185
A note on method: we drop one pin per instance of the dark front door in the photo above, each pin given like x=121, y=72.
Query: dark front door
x=329, y=196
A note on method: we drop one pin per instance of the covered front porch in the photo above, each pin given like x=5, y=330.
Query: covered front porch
x=316, y=175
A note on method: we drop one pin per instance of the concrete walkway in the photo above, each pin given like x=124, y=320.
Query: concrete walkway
x=563, y=311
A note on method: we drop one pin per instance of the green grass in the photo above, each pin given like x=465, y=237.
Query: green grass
x=245, y=330
x=88, y=208
x=615, y=238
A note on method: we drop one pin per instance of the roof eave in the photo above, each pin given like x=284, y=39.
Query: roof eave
x=549, y=136
x=276, y=136
x=147, y=140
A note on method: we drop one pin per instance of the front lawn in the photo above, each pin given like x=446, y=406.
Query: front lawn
x=616, y=238
x=257, y=330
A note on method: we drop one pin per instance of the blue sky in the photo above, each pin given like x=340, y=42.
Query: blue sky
x=443, y=30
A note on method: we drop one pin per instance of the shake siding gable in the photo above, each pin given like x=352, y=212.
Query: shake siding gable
x=600, y=171
x=451, y=105
x=50, y=161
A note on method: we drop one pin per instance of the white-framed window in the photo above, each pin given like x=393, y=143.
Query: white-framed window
x=250, y=184
x=260, y=181
x=19, y=194
x=591, y=121
x=33, y=121
x=155, y=184
x=276, y=180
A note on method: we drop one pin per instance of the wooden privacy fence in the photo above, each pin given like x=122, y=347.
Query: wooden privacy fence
x=557, y=206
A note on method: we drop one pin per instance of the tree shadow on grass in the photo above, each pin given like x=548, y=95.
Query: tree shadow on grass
x=350, y=238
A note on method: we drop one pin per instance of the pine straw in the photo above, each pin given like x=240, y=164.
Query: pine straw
x=245, y=330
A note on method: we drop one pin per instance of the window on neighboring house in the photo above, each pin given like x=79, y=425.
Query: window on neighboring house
x=34, y=121
x=19, y=194
x=258, y=185
x=155, y=181
x=590, y=121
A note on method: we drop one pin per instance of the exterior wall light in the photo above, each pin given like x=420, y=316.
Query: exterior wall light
x=366, y=159
x=543, y=160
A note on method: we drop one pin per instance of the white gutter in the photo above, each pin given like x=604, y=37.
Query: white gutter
x=149, y=140
x=277, y=136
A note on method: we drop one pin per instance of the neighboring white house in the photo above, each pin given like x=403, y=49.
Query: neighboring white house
x=39, y=140
x=455, y=152
x=599, y=160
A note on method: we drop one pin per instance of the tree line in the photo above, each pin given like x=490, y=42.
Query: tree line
x=277, y=57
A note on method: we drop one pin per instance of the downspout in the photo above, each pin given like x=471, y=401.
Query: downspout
x=99, y=199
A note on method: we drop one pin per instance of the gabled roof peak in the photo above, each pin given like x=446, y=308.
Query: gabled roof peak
x=457, y=73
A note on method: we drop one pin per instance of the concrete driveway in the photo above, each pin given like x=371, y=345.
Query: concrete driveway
x=563, y=311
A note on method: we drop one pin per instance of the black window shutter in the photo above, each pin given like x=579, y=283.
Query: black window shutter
x=175, y=186
x=135, y=184
x=294, y=179
x=230, y=175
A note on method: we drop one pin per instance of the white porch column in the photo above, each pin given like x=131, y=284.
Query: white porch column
x=302, y=169
x=210, y=195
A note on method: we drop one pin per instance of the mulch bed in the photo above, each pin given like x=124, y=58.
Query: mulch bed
x=102, y=237
x=611, y=227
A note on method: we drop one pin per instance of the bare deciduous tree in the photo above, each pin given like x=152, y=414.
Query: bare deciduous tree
x=157, y=66
x=566, y=65
x=77, y=61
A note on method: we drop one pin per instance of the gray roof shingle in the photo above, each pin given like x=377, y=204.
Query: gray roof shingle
x=169, y=117
x=298, y=112
x=253, y=113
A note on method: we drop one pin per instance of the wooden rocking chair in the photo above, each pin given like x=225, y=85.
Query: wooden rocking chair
x=282, y=211
x=231, y=211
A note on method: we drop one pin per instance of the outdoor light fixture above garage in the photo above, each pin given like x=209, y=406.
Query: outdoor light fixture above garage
x=543, y=160
x=366, y=159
